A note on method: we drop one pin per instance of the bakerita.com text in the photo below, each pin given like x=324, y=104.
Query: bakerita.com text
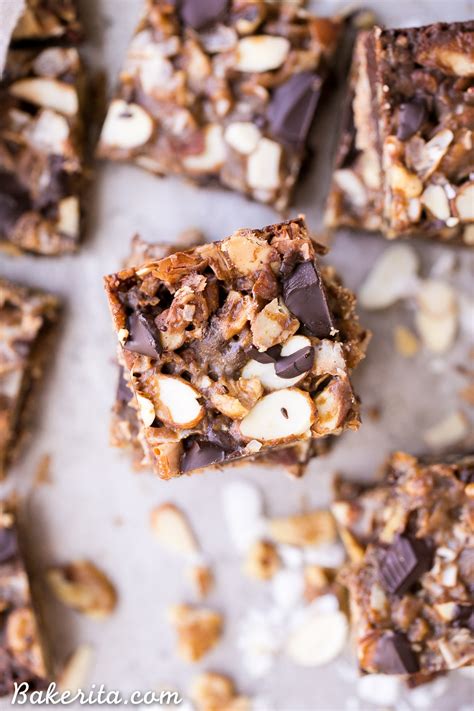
x=94, y=695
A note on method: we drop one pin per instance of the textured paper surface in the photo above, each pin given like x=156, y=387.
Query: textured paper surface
x=96, y=507
x=10, y=11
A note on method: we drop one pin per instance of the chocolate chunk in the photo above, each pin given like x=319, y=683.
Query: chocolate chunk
x=8, y=544
x=394, y=655
x=14, y=201
x=304, y=295
x=295, y=364
x=410, y=118
x=201, y=454
x=269, y=356
x=199, y=13
x=292, y=107
x=403, y=563
x=144, y=337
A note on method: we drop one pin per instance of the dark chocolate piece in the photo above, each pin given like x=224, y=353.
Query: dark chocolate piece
x=8, y=544
x=304, y=295
x=199, y=13
x=269, y=356
x=124, y=394
x=403, y=563
x=411, y=117
x=202, y=454
x=295, y=364
x=394, y=655
x=144, y=337
x=14, y=201
x=292, y=107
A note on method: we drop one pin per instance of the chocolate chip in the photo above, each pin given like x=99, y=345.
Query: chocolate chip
x=201, y=454
x=8, y=544
x=144, y=337
x=14, y=201
x=269, y=356
x=403, y=563
x=304, y=295
x=292, y=107
x=199, y=13
x=295, y=364
x=410, y=118
x=394, y=655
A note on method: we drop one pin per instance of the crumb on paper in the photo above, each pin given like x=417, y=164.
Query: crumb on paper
x=211, y=691
x=447, y=432
x=85, y=588
x=306, y=529
x=262, y=560
x=198, y=629
x=43, y=471
x=467, y=394
x=172, y=530
x=202, y=579
x=74, y=674
x=406, y=343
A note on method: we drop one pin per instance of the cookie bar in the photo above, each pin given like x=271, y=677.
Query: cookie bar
x=48, y=21
x=222, y=91
x=25, y=319
x=406, y=159
x=41, y=150
x=412, y=587
x=237, y=347
x=22, y=656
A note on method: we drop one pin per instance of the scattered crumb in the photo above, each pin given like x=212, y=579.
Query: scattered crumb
x=449, y=431
x=76, y=670
x=320, y=637
x=316, y=580
x=262, y=561
x=437, y=316
x=43, y=471
x=198, y=629
x=374, y=413
x=406, y=343
x=85, y=588
x=307, y=529
x=202, y=580
x=215, y=692
x=118, y=521
x=467, y=394
x=172, y=530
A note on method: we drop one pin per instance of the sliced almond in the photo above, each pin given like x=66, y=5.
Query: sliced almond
x=306, y=529
x=319, y=639
x=69, y=217
x=392, y=277
x=147, y=410
x=177, y=402
x=48, y=93
x=76, y=670
x=82, y=586
x=433, y=153
x=261, y=53
x=263, y=166
x=332, y=406
x=449, y=431
x=281, y=416
x=265, y=372
x=172, y=530
x=126, y=126
x=352, y=186
x=465, y=202
x=243, y=136
x=213, y=155
x=402, y=181
x=435, y=199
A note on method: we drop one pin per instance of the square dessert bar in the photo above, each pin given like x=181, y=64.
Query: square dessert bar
x=222, y=91
x=405, y=165
x=41, y=150
x=48, y=21
x=26, y=316
x=21, y=651
x=411, y=582
x=237, y=347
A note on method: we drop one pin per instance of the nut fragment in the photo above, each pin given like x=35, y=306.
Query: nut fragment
x=465, y=202
x=392, y=277
x=262, y=561
x=48, y=93
x=273, y=325
x=263, y=166
x=213, y=154
x=319, y=639
x=69, y=216
x=172, y=530
x=82, y=586
x=437, y=317
x=176, y=402
x=199, y=630
x=265, y=372
x=147, y=411
x=202, y=579
x=406, y=342
x=332, y=406
x=280, y=416
x=402, y=181
x=22, y=638
x=449, y=431
x=261, y=53
x=216, y=692
x=75, y=672
x=306, y=529
x=436, y=200
x=126, y=125
x=243, y=136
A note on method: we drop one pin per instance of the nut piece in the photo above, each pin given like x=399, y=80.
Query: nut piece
x=242, y=136
x=306, y=529
x=126, y=125
x=48, y=93
x=216, y=692
x=280, y=416
x=69, y=216
x=435, y=199
x=437, y=317
x=247, y=253
x=147, y=411
x=76, y=670
x=319, y=639
x=332, y=406
x=84, y=587
x=263, y=166
x=176, y=402
x=261, y=53
x=392, y=277
x=199, y=630
x=402, y=181
x=265, y=372
x=213, y=154
x=202, y=579
x=406, y=342
x=262, y=561
x=273, y=325
x=172, y=530
x=465, y=202
x=22, y=638
x=451, y=430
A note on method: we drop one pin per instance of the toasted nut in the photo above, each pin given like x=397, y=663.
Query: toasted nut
x=199, y=630
x=468, y=235
x=172, y=530
x=202, y=579
x=280, y=416
x=451, y=430
x=48, y=93
x=459, y=63
x=49, y=132
x=213, y=154
x=247, y=254
x=243, y=136
x=446, y=610
x=329, y=358
x=76, y=670
x=392, y=277
x=216, y=692
x=352, y=186
x=436, y=200
x=147, y=410
x=21, y=632
x=319, y=639
x=126, y=125
x=265, y=372
x=84, y=587
x=263, y=166
x=54, y=61
x=402, y=181
x=273, y=325
x=465, y=202
x=261, y=53
x=406, y=342
x=68, y=216
x=262, y=561
x=437, y=317
x=354, y=550
x=307, y=529
x=433, y=153
x=332, y=406
x=176, y=402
